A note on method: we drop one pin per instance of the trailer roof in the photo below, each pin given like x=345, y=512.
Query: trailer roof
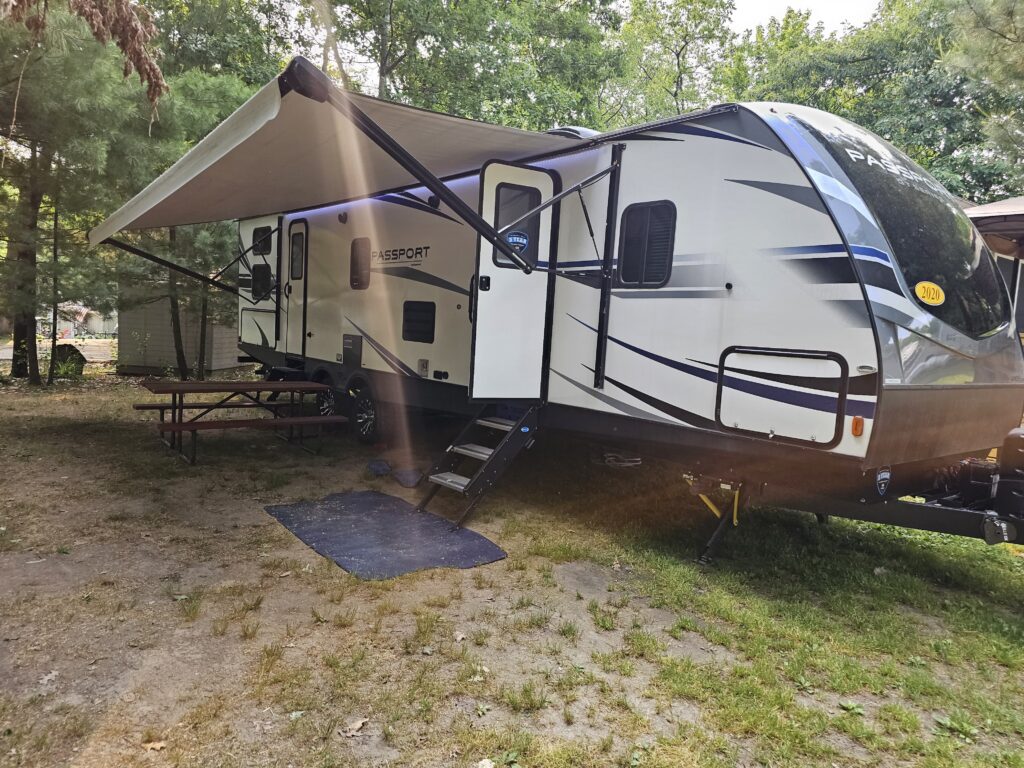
x=282, y=151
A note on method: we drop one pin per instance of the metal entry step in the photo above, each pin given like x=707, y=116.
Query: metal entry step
x=481, y=452
x=496, y=422
x=450, y=480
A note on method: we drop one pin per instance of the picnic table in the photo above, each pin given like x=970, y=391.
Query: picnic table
x=287, y=417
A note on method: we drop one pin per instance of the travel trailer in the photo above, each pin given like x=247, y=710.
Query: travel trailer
x=770, y=295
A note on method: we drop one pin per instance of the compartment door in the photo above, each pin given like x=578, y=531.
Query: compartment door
x=794, y=396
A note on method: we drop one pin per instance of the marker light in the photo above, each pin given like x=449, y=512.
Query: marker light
x=857, y=426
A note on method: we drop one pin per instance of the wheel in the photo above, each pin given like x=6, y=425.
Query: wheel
x=327, y=402
x=365, y=416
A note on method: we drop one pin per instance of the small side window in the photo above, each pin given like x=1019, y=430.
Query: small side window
x=261, y=241
x=418, y=321
x=359, y=267
x=646, y=245
x=298, y=255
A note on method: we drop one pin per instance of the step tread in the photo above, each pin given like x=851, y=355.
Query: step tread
x=496, y=422
x=450, y=480
x=473, y=450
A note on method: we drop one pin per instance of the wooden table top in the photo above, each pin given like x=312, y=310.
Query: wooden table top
x=167, y=387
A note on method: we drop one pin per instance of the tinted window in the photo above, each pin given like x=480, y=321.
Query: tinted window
x=512, y=201
x=296, y=260
x=359, y=266
x=931, y=237
x=261, y=241
x=645, y=251
x=418, y=321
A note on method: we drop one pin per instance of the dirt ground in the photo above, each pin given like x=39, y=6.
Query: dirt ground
x=152, y=613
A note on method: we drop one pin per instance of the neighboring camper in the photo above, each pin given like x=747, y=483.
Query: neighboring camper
x=774, y=296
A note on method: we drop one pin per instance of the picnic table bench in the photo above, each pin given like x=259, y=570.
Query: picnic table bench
x=287, y=417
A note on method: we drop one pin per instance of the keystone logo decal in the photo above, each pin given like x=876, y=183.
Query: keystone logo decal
x=519, y=241
x=882, y=480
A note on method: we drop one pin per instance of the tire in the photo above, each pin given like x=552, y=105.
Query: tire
x=327, y=402
x=365, y=416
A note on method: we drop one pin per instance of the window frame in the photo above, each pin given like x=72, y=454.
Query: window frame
x=495, y=254
x=641, y=283
x=355, y=278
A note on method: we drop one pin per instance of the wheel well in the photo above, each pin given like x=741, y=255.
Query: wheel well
x=322, y=376
x=355, y=382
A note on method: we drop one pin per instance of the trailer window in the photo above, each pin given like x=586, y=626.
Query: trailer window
x=512, y=201
x=261, y=241
x=932, y=239
x=418, y=321
x=359, y=265
x=298, y=255
x=645, y=250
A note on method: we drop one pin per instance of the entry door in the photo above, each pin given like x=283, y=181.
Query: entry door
x=510, y=307
x=295, y=287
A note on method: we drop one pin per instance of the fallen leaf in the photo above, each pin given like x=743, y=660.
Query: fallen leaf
x=296, y=714
x=284, y=575
x=154, y=746
x=356, y=726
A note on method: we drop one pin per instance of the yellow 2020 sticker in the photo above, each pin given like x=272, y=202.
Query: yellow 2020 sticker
x=930, y=293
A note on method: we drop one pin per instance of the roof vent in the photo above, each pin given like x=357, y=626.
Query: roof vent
x=573, y=132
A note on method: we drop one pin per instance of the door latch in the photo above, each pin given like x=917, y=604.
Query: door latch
x=485, y=283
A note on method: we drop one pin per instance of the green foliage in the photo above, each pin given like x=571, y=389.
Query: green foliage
x=888, y=76
x=990, y=51
x=670, y=49
x=528, y=64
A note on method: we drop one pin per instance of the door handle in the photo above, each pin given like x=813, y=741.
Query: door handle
x=472, y=299
x=287, y=289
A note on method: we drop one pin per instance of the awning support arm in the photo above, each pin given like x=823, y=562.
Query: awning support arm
x=579, y=187
x=127, y=248
x=307, y=80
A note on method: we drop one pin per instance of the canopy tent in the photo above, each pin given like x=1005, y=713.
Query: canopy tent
x=1002, y=224
x=299, y=142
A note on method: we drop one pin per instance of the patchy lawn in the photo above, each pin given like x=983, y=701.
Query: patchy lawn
x=152, y=614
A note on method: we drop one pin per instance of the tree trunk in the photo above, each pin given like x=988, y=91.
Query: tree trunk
x=55, y=298
x=172, y=296
x=25, y=359
x=201, y=361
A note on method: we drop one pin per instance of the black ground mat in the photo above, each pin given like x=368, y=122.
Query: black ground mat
x=376, y=536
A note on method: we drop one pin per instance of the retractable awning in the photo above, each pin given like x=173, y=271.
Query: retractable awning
x=299, y=142
x=1002, y=224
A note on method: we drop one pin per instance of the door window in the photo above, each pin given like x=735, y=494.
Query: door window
x=298, y=254
x=512, y=201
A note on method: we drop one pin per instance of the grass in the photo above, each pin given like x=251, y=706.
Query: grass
x=529, y=697
x=804, y=644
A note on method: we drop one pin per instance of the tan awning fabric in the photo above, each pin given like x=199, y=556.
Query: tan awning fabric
x=1001, y=222
x=281, y=153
